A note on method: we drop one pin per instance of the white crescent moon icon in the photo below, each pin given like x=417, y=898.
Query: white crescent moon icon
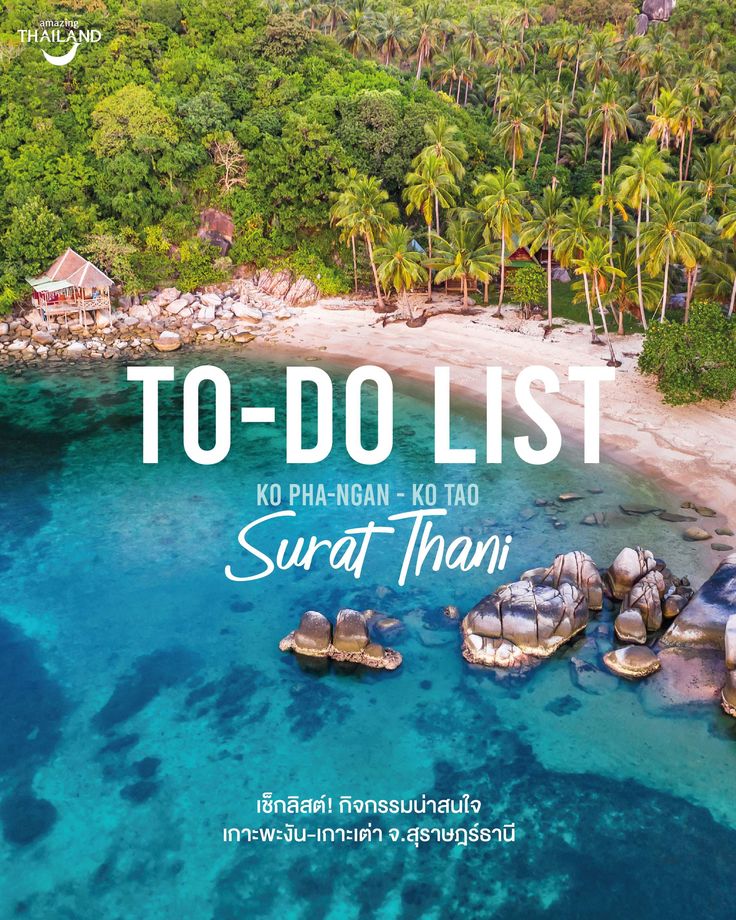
x=64, y=59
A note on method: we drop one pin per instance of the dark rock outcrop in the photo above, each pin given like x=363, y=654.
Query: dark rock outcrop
x=703, y=622
x=659, y=10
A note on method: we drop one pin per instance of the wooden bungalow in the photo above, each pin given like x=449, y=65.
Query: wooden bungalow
x=72, y=285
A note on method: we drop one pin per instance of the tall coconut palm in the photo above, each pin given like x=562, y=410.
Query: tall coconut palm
x=727, y=226
x=358, y=32
x=343, y=214
x=626, y=292
x=500, y=200
x=429, y=187
x=608, y=198
x=640, y=177
x=427, y=28
x=392, y=35
x=673, y=236
x=577, y=228
x=547, y=110
x=609, y=119
x=364, y=210
x=664, y=118
x=443, y=141
x=597, y=272
x=711, y=181
x=334, y=14
x=400, y=264
x=540, y=231
x=516, y=129
x=599, y=56
x=688, y=117
x=463, y=254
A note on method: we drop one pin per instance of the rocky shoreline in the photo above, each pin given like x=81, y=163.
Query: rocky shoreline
x=234, y=313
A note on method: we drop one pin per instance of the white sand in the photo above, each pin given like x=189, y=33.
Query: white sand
x=691, y=449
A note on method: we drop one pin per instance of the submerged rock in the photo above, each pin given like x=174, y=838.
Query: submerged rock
x=627, y=568
x=695, y=534
x=632, y=661
x=536, y=618
x=703, y=622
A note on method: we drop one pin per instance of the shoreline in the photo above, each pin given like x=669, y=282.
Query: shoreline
x=671, y=445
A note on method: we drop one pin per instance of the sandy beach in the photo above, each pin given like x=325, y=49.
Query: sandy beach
x=690, y=449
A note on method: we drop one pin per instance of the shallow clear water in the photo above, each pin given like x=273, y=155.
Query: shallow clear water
x=143, y=695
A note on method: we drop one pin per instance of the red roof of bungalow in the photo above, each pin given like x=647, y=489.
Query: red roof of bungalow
x=77, y=272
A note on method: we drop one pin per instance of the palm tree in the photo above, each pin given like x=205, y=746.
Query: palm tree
x=516, y=129
x=608, y=197
x=610, y=119
x=429, y=187
x=501, y=199
x=462, y=254
x=343, y=214
x=672, y=236
x=727, y=226
x=364, y=210
x=358, y=32
x=640, y=177
x=577, y=228
x=595, y=267
x=627, y=291
x=710, y=175
x=399, y=263
x=547, y=112
x=599, y=56
x=688, y=117
x=442, y=140
x=334, y=15
x=392, y=36
x=664, y=118
x=540, y=231
x=427, y=34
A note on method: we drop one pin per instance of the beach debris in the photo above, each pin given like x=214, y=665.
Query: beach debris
x=535, y=619
x=728, y=695
x=695, y=534
x=633, y=662
x=348, y=642
x=630, y=627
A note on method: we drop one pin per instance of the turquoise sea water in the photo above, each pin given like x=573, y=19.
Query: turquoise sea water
x=144, y=705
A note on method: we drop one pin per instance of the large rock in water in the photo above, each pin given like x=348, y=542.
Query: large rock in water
x=632, y=661
x=660, y=10
x=627, y=568
x=728, y=698
x=351, y=631
x=313, y=635
x=537, y=619
x=703, y=622
x=579, y=569
x=646, y=597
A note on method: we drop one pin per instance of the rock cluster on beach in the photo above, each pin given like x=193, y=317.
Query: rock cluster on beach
x=234, y=313
x=348, y=641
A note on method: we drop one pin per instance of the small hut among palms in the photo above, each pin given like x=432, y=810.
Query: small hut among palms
x=71, y=285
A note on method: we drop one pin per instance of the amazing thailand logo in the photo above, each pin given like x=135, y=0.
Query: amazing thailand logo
x=64, y=33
